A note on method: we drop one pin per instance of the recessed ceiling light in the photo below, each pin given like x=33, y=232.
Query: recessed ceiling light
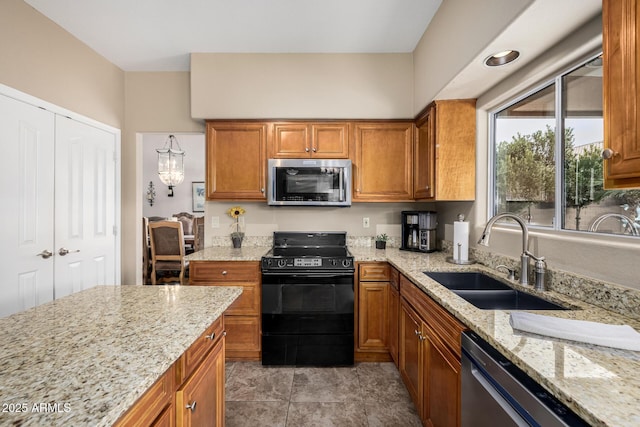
x=502, y=58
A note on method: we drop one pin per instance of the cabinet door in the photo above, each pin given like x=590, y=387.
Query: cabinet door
x=621, y=89
x=373, y=316
x=383, y=162
x=411, y=353
x=236, y=160
x=330, y=140
x=243, y=337
x=290, y=140
x=394, y=317
x=424, y=157
x=200, y=400
x=441, y=401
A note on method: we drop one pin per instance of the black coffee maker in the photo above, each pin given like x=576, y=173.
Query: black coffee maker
x=419, y=231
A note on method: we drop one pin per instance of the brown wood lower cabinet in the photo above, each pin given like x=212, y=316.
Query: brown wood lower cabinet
x=200, y=400
x=394, y=313
x=429, y=359
x=242, y=318
x=372, y=330
x=191, y=391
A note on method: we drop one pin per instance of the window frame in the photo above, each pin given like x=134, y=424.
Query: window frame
x=559, y=220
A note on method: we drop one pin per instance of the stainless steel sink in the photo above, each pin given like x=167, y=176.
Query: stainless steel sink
x=488, y=293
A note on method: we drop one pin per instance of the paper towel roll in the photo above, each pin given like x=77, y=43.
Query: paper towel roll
x=460, y=240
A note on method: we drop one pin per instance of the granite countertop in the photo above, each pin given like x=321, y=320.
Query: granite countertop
x=600, y=384
x=83, y=360
x=227, y=253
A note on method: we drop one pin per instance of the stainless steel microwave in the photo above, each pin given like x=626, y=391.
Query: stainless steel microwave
x=309, y=182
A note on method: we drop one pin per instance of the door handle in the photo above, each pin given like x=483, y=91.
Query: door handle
x=45, y=254
x=64, y=251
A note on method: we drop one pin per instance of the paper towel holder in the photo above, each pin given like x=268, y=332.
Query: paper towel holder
x=458, y=260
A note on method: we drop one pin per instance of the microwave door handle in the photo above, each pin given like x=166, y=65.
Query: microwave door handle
x=340, y=186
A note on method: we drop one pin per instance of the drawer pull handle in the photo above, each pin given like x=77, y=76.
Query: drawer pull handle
x=191, y=406
x=212, y=336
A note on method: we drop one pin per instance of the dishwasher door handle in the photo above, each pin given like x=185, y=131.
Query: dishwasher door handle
x=498, y=398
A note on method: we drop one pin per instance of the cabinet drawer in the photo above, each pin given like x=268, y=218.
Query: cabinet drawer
x=196, y=352
x=444, y=324
x=213, y=271
x=374, y=272
x=149, y=409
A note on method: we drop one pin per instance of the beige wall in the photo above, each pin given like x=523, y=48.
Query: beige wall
x=317, y=86
x=458, y=32
x=43, y=60
x=155, y=102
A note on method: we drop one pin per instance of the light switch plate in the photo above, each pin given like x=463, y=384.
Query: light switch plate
x=215, y=222
x=365, y=222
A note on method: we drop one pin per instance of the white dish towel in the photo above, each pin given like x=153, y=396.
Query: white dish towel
x=616, y=336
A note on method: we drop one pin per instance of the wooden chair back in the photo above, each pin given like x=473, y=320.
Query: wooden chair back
x=198, y=231
x=167, y=248
x=187, y=222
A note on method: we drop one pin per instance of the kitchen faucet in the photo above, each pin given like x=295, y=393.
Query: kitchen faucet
x=540, y=265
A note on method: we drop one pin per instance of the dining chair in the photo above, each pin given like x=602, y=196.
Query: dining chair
x=167, y=249
x=146, y=250
x=198, y=233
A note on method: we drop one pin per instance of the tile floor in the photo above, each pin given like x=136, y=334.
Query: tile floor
x=367, y=394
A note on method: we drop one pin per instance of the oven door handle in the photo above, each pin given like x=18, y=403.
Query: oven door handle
x=310, y=276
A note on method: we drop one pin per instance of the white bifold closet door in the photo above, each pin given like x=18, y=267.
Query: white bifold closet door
x=84, y=207
x=58, y=214
x=26, y=214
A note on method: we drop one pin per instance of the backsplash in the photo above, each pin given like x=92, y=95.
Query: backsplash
x=609, y=296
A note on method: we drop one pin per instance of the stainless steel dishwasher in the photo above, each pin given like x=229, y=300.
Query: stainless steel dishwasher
x=497, y=393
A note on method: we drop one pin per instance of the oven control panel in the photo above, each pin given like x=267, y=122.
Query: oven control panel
x=307, y=262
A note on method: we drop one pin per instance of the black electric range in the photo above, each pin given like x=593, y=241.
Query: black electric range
x=308, y=300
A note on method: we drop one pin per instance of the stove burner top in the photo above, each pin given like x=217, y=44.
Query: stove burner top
x=310, y=252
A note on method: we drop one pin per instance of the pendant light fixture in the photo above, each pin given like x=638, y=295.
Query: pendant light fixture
x=171, y=163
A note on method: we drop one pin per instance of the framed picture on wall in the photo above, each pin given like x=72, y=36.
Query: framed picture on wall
x=197, y=196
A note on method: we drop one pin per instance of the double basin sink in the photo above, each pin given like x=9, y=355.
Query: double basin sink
x=488, y=293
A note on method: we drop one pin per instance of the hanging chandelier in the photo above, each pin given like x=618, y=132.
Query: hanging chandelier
x=171, y=163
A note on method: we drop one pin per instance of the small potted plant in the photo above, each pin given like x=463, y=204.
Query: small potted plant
x=237, y=228
x=381, y=241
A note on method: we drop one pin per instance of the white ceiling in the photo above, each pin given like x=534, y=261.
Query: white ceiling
x=158, y=35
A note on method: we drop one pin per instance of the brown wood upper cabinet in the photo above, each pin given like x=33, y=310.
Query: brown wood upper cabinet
x=236, y=160
x=322, y=140
x=445, y=151
x=382, y=159
x=621, y=93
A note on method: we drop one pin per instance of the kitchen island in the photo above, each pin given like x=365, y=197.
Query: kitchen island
x=85, y=359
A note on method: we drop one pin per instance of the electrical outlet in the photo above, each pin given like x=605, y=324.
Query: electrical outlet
x=365, y=222
x=215, y=222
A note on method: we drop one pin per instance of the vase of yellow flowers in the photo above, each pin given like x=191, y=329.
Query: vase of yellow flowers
x=237, y=228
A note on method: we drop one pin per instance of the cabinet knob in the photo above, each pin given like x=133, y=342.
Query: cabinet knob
x=224, y=272
x=306, y=149
x=426, y=187
x=421, y=338
x=262, y=190
x=191, y=406
x=314, y=149
x=211, y=337
x=417, y=332
x=608, y=153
